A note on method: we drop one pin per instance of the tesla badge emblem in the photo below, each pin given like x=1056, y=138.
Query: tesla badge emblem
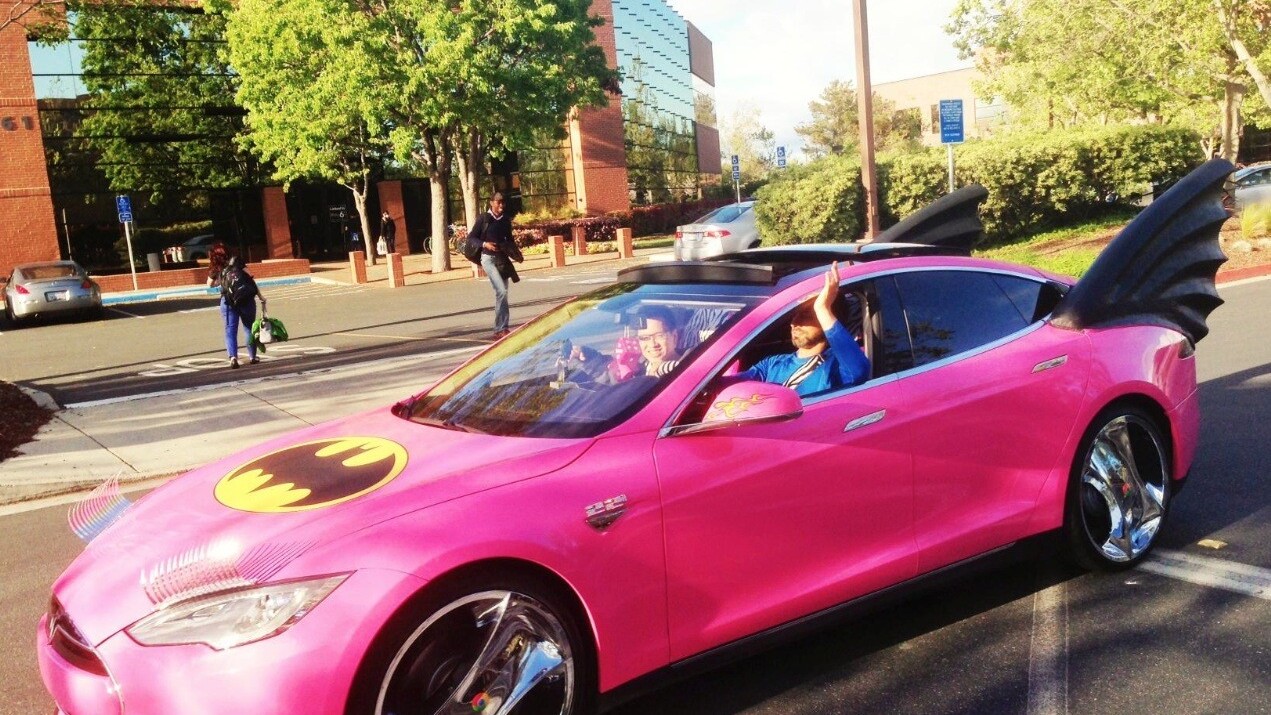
x=603, y=514
x=312, y=475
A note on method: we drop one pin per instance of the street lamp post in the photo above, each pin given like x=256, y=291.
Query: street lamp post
x=865, y=109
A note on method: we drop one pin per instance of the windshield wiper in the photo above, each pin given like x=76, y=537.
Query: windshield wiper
x=449, y=424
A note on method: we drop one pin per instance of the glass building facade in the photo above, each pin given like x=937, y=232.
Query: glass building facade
x=668, y=115
x=658, y=101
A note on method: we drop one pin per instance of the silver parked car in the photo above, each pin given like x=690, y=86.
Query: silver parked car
x=54, y=287
x=1252, y=185
x=725, y=230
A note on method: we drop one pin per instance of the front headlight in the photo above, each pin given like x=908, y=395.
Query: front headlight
x=234, y=618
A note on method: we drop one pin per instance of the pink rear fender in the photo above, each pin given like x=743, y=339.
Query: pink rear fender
x=1143, y=364
x=1154, y=363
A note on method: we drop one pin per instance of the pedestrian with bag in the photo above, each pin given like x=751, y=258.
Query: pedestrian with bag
x=388, y=234
x=238, y=300
x=491, y=246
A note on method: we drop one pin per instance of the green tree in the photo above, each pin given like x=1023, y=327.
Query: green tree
x=160, y=114
x=1186, y=62
x=531, y=62
x=835, y=125
x=299, y=62
x=745, y=135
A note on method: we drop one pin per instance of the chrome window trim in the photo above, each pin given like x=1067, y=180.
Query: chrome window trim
x=668, y=430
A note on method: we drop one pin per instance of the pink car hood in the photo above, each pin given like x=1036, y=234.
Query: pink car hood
x=353, y=487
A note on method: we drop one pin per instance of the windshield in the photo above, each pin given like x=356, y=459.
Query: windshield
x=55, y=270
x=586, y=366
x=725, y=214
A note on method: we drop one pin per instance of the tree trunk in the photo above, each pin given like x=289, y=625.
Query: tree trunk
x=470, y=156
x=435, y=156
x=359, y=203
x=1233, y=96
x=1242, y=53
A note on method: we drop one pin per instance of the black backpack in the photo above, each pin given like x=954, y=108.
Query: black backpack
x=237, y=286
x=472, y=244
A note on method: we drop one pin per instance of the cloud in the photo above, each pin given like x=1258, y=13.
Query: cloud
x=779, y=55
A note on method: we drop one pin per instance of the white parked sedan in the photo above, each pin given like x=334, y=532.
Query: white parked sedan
x=727, y=229
x=53, y=287
x=1252, y=185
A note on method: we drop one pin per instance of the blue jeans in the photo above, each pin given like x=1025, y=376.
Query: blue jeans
x=232, y=318
x=500, y=292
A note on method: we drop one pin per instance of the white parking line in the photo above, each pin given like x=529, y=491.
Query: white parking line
x=1048, y=653
x=130, y=315
x=1207, y=571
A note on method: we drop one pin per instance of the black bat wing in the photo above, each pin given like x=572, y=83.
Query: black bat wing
x=953, y=221
x=1160, y=269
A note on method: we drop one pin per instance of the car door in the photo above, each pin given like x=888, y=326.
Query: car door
x=769, y=522
x=997, y=392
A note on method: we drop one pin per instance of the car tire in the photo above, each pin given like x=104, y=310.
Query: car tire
x=1119, y=490
x=434, y=648
x=9, y=315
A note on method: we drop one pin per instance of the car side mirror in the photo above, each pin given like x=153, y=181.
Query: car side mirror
x=747, y=402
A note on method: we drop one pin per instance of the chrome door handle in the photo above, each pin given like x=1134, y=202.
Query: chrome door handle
x=865, y=421
x=1050, y=364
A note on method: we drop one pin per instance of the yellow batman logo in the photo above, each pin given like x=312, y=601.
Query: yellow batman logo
x=312, y=475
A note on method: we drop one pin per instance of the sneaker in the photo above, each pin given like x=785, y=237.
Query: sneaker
x=253, y=361
x=233, y=363
x=499, y=334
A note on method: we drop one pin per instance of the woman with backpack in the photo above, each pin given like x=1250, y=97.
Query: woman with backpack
x=238, y=300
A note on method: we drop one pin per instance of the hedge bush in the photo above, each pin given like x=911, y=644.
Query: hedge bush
x=1033, y=180
x=812, y=203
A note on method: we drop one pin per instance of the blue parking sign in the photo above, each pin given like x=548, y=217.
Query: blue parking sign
x=951, y=131
x=123, y=204
x=781, y=157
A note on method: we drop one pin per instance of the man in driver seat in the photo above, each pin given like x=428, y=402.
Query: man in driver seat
x=826, y=356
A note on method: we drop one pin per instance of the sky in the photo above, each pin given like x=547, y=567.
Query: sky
x=778, y=55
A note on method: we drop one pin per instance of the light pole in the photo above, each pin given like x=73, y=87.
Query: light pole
x=865, y=109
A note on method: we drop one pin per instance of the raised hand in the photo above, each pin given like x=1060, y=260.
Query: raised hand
x=823, y=305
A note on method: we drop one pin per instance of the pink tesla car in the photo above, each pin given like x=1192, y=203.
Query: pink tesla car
x=631, y=484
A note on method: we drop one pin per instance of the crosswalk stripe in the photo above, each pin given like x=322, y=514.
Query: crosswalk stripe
x=1208, y=571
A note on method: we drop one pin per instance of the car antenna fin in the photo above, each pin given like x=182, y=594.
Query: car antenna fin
x=98, y=510
x=1161, y=269
x=952, y=221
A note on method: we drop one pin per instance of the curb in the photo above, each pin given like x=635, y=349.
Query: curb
x=1241, y=274
x=179, y=292
x=40, y=398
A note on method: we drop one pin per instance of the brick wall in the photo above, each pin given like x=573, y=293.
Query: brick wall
x=390, y=193
x=198, y=276
x=27, y=228
x=277, y=225
x=604, y=157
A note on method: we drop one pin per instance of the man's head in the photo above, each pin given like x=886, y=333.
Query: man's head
x=805, y=329
x=659, y=341
x=496, y=203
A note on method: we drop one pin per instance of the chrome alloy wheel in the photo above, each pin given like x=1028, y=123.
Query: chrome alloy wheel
x=494, y=653
x=1123, y=489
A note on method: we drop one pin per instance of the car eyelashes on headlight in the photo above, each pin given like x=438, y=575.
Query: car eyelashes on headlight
x=218, y=565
